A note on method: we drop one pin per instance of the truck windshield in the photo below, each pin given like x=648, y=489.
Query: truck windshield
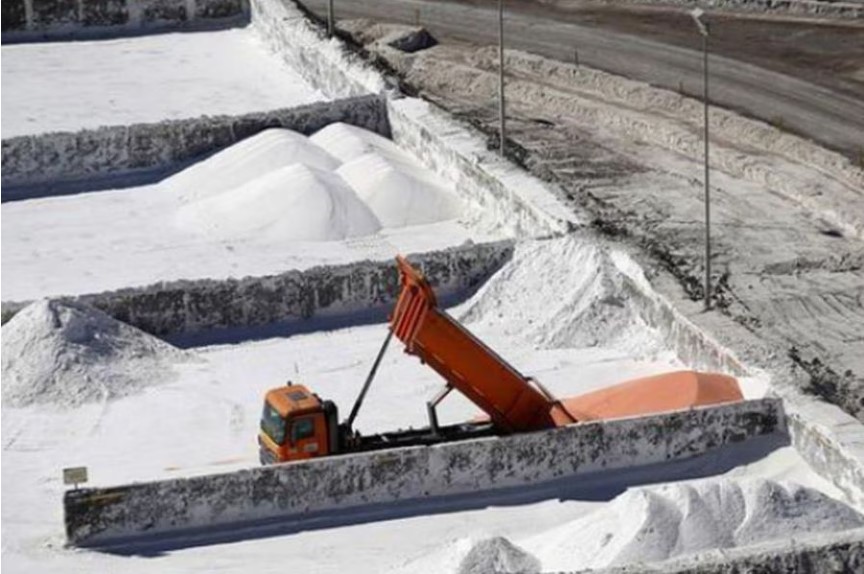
x=273, y=424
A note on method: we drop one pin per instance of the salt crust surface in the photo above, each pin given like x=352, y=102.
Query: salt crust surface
x=68, y=86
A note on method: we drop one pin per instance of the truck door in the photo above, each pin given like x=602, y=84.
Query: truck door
x=307, y=436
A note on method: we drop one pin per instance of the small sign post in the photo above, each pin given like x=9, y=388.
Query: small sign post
x=75, y=476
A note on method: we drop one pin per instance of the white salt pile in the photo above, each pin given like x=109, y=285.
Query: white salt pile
x=561, y=293
x=500, y=556
x=66, y=353
x=346, y=142
x=650, y=524
x=342, y=182
x=294, y=203
x=246, y=160
x=656, y=523
x=398, y=194
x=459, y=554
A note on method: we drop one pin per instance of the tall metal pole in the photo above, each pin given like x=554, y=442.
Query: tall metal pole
x=697, y=14
x=707, y=183
x=501, y=74
x=329, y=18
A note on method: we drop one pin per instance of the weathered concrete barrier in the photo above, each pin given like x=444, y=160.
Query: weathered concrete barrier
x=694, y=346
x=823, y=553
x=507, y=192
x=831, y=440
x=184, y=307
x=322, y=62
x=33, y=163
x=34, y=20
x=97, y=516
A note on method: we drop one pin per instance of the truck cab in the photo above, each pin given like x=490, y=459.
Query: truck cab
x=296, y=425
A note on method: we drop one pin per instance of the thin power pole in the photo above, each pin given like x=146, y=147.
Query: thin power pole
x=329, y=18
x=707, y=171
x=501, y=74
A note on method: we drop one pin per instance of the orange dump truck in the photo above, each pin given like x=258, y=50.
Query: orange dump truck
x=296, y=424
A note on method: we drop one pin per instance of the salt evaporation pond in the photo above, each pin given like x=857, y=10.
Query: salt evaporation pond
x=68, y=86
x=273, y=202
x=205, y=421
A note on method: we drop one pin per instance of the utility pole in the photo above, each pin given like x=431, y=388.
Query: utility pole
x=503, y=132
x=703, y=30
x=330, y=26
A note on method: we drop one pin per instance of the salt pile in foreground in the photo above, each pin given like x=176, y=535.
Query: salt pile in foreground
x=66, y=353
x=652, y=524
x=657, y=523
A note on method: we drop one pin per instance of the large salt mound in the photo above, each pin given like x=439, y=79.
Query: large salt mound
x=247, y=160
x=67, y=353
x=561, y=293
x=656, y=523
x=297, y=202
x=398, y=194
x=346, y=142
x=499, y=556
x=472, y=555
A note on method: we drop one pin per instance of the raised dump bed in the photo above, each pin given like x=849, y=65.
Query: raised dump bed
x=253, y=500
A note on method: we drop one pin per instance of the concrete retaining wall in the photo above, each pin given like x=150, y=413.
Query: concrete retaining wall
x=94, y=516
x=184, y=307
x=824, y=553
x=33, y=20
x=692, y=345
x=830, y=440
x=32, y=164
x=322, y=62
x=512, y=198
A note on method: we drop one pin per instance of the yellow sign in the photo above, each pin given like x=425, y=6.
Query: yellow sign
x=75, y=475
